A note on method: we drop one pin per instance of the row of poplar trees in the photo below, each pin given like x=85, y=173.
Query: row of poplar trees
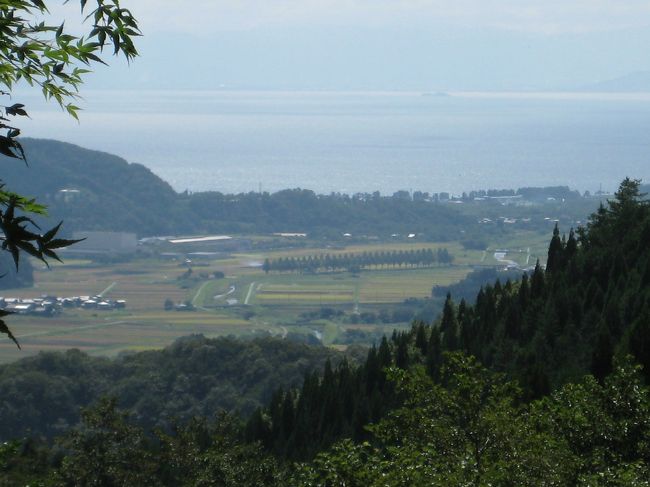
x=380, y=259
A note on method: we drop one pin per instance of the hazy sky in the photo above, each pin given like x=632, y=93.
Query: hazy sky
x=380, y=44
x=533, y=16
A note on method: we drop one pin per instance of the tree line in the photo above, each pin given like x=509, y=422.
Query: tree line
x=110, y=194
x=193, y=376
x=540, y=381
x=590, y=305
x=468, y=426
x=355, y=262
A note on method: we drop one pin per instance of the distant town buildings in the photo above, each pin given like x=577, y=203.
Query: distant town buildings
x=199, y=244
x=209, y=238
x=68, y=195
x=52, y=305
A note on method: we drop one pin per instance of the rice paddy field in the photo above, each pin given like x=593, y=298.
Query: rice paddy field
x=245, y=302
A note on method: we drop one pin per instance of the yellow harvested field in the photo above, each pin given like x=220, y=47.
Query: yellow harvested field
x=243, y=301
x=304, y=298
x=382, y=287
x=304, y=292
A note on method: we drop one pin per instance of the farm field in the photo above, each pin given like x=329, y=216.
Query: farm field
x=244, y=302
x=524, y=248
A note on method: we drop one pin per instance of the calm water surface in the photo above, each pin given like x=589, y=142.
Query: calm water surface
x=362, y=142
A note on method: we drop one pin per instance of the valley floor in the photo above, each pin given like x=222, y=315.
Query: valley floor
x=334, y=307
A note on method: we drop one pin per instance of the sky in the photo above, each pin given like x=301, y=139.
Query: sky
x=380, y=44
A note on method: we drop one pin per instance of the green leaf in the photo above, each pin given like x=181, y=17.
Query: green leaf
x=72, y=111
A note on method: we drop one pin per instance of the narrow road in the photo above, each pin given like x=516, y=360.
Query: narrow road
x=249, y=293
x=107, y=290
x=231, y=290
x=198, y=293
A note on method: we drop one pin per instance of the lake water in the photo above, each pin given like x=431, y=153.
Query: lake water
x=362, y=142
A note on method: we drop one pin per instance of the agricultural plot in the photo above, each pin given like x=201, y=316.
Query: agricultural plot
x=144, y=284
x=305, y=293
x=211, y=292
x=111, y=335
x=396, y=286
x=368, y=287
x=245, y=301
x=524, y=249
x=296, y=289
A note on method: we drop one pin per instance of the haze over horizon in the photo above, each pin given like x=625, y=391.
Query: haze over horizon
x=381, y=45
x=228, y=94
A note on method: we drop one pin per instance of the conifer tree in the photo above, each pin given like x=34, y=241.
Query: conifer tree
x=555, y=252
x=434, y=353
x=602, y=356
x=420, y=337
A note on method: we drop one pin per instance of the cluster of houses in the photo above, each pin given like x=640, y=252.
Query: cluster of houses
x=51, y=305
x=509, y=221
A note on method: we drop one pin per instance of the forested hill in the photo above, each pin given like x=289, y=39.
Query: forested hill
x=113, y=194
x=104, y=192
x=563, y=401
x=590, y=304
x=195, y=376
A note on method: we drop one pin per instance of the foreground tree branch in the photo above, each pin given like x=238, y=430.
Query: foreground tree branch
x=47, y=57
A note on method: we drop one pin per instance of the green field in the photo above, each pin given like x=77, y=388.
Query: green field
x=246, y=301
